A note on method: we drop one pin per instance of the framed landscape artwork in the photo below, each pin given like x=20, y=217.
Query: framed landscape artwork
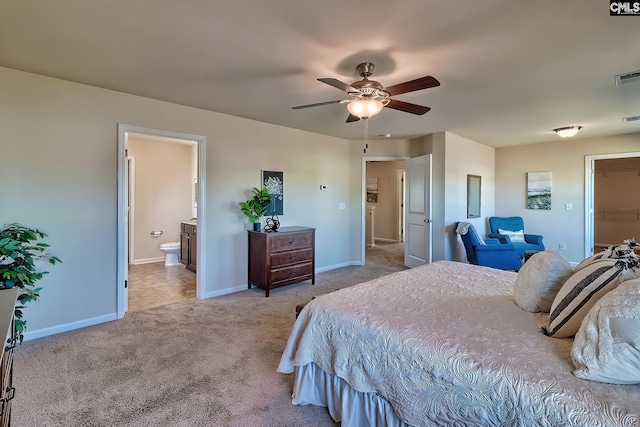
x=539, y=190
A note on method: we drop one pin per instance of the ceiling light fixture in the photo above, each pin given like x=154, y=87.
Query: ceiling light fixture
x=365, y=108
x=567, y=131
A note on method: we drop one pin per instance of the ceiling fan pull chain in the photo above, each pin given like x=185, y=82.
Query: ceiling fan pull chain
x=366, y=134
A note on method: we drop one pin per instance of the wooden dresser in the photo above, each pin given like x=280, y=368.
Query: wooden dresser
x=281, y=258
x=8, y=299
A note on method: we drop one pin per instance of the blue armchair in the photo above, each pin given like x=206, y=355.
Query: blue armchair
x=488, y=252
x=514, y=223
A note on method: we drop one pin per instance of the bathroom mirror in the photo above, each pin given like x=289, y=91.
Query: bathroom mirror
x=195, y=192
x=473, y=196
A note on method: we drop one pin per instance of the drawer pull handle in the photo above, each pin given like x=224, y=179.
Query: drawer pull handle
x=6, y=400
x=292, y=257
x=11, y=392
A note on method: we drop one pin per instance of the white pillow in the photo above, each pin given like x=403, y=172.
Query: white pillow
x=607, y=346
x=515, y=236
x=540, y=279
x=581, y=291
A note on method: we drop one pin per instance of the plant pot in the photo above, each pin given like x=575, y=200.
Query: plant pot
x=256, y=226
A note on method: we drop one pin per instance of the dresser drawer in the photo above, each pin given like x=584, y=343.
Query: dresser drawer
x=291, y=242
x=291, y=257
x=300, y=271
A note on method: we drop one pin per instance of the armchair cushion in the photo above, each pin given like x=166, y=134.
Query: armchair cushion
x=514, y=236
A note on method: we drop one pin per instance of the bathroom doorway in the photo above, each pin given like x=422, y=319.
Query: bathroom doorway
x=161, y=178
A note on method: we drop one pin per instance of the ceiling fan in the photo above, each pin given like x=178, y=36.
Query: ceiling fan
x=368, y=97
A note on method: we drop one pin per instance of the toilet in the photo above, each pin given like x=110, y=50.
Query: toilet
x=171, y=249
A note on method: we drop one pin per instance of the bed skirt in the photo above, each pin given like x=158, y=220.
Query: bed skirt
x=352, y=408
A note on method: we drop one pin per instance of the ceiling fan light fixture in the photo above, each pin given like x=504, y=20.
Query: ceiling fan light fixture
x=365, y=108
x=567, y=131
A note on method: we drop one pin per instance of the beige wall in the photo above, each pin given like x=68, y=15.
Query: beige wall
x=466, y=157
x=60, y=139
x=163, y=194
x=387, y=208
x=565, y=160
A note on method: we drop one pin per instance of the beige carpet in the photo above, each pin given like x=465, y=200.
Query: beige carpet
x=190, y=363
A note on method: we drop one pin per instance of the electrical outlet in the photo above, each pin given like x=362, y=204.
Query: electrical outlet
x=568, y=206
x=562, y=247
x=342, y=206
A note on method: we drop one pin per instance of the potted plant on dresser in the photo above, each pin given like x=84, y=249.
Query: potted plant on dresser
x=20, y=249
x=256, y=207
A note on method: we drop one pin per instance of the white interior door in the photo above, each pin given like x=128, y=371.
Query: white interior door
x=127, y=234
x=417, y=248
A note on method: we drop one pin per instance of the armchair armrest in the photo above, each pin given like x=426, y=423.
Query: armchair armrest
x=499, y=256
x=495, y=248
x=492, y=242
x=534, y=239
x=503, y=238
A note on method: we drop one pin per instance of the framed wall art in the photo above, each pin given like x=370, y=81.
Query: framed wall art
x=539, y=190
x=372, y=190
x=274, y=182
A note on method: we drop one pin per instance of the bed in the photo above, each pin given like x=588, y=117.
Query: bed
x=443, y=344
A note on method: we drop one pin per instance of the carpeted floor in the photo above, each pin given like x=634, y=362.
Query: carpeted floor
x=190, y=363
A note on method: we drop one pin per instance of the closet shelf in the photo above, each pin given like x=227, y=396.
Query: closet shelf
x=620, y=168
x=617, y=214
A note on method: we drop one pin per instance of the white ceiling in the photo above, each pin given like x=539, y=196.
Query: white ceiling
x=511, y=70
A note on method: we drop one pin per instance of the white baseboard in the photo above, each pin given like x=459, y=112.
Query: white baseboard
x=52, y=330
x=333, y=267
x=244, y=287
x=383, y=239
x=147, y=260
x=226, y=291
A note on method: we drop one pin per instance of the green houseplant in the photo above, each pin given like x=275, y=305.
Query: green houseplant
x=20, y=248
x=256, y=207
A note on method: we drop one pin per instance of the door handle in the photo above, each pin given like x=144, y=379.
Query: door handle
x=428, y=221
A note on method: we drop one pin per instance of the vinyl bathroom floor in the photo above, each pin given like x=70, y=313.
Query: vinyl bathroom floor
x=153, y=285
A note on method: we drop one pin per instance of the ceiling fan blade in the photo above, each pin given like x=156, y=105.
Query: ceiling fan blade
x=299, y=107
x=408, y=107
x=352, y=118
x=413, y=85
x=338, y=84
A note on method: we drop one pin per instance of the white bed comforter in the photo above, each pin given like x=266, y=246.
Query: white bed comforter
x=446, y=345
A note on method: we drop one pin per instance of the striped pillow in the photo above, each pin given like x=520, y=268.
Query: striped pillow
x=626, y=250
x=581, y=291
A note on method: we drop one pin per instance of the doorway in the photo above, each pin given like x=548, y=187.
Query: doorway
x=125, y=213
x=611, y=213
x=383, y=206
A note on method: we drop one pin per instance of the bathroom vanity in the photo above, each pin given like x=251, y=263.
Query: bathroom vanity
x=189, y=244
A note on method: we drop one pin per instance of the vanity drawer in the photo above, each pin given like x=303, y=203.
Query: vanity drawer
x=291, y=257
x=291, y=242
x=188, y=228
x=299, y=272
